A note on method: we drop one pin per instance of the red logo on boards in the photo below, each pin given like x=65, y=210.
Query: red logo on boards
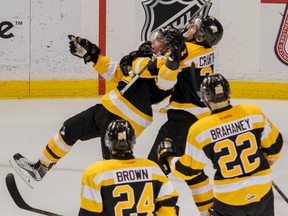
x=281, y=46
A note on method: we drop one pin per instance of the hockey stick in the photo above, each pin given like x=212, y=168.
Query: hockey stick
x=280, y=191
x=18, y=199
x=184, y=29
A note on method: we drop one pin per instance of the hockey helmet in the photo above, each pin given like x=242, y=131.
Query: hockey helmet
x=160, y=33
x=120, y=136
x=215, y=88
x=210, y=29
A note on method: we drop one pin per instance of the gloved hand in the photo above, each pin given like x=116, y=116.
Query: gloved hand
x=83, y=48
x=174, y=37
x=175, y=40
x=126, y=63
x=165, y=150
x=144, y=50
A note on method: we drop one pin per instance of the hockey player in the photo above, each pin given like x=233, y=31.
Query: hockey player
x=241, y=143
x=125, y=185
x=185, y=106
x=133, y=106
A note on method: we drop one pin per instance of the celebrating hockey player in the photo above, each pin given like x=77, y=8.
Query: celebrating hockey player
x=184, y=71
x=132, y=105
x=241, y=143
x=125, y=185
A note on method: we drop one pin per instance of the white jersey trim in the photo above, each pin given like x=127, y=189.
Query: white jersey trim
x=110, y=73
x=253, y=180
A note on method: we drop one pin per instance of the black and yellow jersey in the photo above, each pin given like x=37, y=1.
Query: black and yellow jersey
x=108, y=69
x=242, y=144
x=135, y=104
x=133, y=186
x=186, y=82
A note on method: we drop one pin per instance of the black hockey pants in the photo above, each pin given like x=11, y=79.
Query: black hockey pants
x=89, y=124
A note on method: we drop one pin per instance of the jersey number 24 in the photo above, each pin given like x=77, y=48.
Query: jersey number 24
x=144, y=205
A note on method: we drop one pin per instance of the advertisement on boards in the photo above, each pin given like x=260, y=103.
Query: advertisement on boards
x=5, y=27
x=281, y=46
x=14, y=40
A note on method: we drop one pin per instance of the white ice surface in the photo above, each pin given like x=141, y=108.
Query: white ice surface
x=27, y=125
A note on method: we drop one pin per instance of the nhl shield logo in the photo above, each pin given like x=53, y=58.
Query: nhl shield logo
x=176, y=13
x=281, y=46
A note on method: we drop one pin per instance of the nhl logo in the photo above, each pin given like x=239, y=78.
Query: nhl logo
x=176, y=13
x=281, y=46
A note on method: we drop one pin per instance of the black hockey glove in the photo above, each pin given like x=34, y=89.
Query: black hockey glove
x=175, y=40
x=144, y=50
x=83, y=48
x=126, y=62
x=165, y=150
x=173, y=37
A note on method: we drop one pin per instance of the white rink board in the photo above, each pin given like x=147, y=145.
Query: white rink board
x=39, y=49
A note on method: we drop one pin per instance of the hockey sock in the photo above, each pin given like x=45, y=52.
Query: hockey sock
x=54, y=150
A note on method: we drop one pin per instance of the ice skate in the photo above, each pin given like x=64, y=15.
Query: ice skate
x=35, y=171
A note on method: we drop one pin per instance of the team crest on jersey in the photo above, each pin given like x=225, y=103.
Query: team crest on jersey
x=176, y=13
x=281, y=46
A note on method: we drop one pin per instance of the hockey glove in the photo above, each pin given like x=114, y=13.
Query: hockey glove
x=174, y=38
x=126, y=62
x=165, y=150
x=83, y=48
x=176, y=42
x=144, y=50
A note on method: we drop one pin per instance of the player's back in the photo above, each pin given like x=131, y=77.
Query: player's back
x=184, y=96
x=234, y=139
x=125, y=187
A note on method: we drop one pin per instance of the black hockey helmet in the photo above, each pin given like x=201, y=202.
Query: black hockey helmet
x=120, y=136
x=215, y=88
x=210, y=29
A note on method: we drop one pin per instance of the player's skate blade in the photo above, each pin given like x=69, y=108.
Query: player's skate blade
x=25, y=177
x=36, y=170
